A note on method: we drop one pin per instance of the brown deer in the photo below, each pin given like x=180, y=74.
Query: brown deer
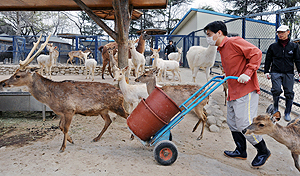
x=179, y=94
x=105, y=57
x=67, y=98
x=289, y=135
x=77, y=54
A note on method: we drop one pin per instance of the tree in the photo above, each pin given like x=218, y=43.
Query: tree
x=246, y=7
x=161, y=18
x=24, y=23
x=86, y=25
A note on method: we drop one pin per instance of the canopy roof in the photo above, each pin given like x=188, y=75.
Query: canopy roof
x=110, y=14
x=64, y=5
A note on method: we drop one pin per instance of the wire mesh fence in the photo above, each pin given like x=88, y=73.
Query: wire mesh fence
x=260, y=30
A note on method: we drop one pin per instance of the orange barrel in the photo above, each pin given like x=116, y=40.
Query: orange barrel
x=162, y=105
x=152, y=114
x=143, y=122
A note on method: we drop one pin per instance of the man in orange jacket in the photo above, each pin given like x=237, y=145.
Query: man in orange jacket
x=242, y=59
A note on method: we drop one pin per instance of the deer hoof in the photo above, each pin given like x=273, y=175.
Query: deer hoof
x=61, y=150
x=199, y=138
x=95, y=140
x=131, y=137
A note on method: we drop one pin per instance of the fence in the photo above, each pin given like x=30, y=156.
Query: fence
x=258, y=29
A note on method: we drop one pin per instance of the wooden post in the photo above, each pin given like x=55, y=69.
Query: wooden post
x=123, y=11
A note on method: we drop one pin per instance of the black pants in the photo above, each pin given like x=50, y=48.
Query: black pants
x=284, y=80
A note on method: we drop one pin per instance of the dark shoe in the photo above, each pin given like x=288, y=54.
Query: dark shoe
x=236, y=154
x=262, y=156
x=240, y=150
x=275, y=102
x=288, y=109
x=270, y=110
x=287, y=117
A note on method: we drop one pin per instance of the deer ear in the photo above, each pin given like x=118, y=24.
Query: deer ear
x=136, y=40
x=276, y=117
x=151, y=49
x=158, y=49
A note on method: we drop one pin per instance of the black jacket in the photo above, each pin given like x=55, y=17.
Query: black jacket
x=170, y=49
x=281, y=60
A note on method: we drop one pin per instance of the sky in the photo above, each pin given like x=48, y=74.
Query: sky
x=217, y=5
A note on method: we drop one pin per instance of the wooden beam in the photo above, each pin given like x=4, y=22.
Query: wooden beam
x=97, y=19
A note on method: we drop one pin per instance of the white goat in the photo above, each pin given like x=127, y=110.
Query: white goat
x=165, y=65
x=90, y=65
x=132, y=93
x=138, y=59
x=199, y=56
x=176, y=56
x=47, y=61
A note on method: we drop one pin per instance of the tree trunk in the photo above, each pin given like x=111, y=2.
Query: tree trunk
x=123, y=13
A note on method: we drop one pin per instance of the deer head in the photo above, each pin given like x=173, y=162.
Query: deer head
x=155, y=53
x=263, y=124
x=179, y=50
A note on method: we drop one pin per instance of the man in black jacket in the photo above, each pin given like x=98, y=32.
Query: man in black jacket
x=281, y=57
x=170, y=48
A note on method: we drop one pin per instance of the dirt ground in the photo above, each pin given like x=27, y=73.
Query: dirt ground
x=116, y=154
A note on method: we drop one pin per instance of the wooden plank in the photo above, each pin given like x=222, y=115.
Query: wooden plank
x=63, y=5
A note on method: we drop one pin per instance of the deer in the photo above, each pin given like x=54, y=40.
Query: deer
x=47, y=61
x=288, y=135
x=55, y=52
x=138, y=59
x=103, y=49
x=77, y=54
x=90, y=65
x=67, y=98
x=165, y=65
x=132, y=93
x=179, y=94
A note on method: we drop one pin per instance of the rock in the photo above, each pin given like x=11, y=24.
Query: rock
x=214, y=129
x=217, y=112
x=220, y=121
x=211, y=120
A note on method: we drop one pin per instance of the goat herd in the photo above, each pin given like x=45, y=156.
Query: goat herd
x=67, y=98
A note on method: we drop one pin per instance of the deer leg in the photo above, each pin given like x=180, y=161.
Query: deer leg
x=64, y=126
x=105, y=62
x=107, y=120
x=195, y=73
x=207, y=71
x=109, y=70
x=50, y=72
x=225, y=90
x=93, y=74
x=296, y=160
x=202, y=118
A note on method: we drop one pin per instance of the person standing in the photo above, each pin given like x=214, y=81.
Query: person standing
x=170, y=48
x=242, y=59
x=281, y=57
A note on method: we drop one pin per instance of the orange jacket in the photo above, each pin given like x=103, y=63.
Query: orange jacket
x=239, y=56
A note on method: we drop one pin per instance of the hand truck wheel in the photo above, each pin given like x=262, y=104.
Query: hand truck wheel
x=165, y=152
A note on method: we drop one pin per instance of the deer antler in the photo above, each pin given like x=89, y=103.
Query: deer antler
x=28, y=59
